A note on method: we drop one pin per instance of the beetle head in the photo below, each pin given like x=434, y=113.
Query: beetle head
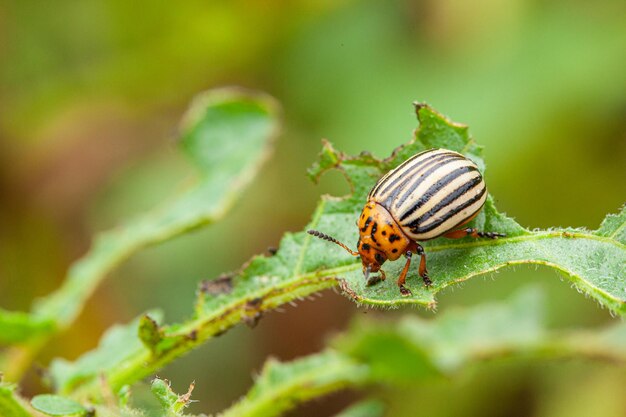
x=372, y=257
x=380, y=237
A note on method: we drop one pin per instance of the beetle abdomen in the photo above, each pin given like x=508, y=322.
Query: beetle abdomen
x=431, y=193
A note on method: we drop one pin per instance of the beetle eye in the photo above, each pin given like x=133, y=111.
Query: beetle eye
x=379, y=258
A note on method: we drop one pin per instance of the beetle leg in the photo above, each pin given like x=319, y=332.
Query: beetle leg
x=373, y=279
x=402, y=278
x=457, y=234
x=422, y=268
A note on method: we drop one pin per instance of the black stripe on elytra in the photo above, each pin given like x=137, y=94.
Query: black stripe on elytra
x=408, y=161
x=448, y=200
x=367, y=223
x=401, y=180
x=402, y=183
x=419, y=230
x=407, y=175
x=440, y=183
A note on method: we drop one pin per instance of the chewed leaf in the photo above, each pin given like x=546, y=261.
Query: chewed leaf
x=594, y=262
x=614, y=227
x=303, y=264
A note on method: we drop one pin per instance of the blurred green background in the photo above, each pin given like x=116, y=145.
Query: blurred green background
x=91, y=94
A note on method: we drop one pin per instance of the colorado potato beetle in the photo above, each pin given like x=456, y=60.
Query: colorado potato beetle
x=434, y=193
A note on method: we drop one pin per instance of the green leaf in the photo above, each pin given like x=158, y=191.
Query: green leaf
x=227, y=135
x=281, y=386
x=614, y=227
x=397, y=353
x=367, y=408
x=163, y=392
x=117, y=345
x=413, y=348
x=172, y=404
x=54, y=405
x=149, y=332
x=10, y=404
x=17, y=326
x=594, y=261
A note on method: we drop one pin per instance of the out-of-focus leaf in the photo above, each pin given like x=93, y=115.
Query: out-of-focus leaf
x=227, y=134
x=118, y=344
x=401, y=351
x=54, y=405
x=10, y=404
x=413, y=349
x=17, y=326
x=282, y=386
x=367, y=408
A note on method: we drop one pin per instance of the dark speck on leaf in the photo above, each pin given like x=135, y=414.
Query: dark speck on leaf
x=252, y=312
x=220, y=285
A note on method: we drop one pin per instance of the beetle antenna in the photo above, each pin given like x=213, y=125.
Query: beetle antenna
x=331, y=239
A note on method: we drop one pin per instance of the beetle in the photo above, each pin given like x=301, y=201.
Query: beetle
x=433, y=193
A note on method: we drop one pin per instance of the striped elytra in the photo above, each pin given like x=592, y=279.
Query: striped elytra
x=431, y=193
x=434, y=193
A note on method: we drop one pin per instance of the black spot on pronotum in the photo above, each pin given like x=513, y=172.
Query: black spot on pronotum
x=393, y=237
x=367, y=223
x=384, y=233
x=365, y=247
x=394, y=250
x=372, y=233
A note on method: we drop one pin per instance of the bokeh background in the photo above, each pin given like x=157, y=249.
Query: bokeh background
x=91, y=93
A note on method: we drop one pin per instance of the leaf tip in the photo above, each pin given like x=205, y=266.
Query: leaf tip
x=328, y=158
x=425, y=113
x=150, y=333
